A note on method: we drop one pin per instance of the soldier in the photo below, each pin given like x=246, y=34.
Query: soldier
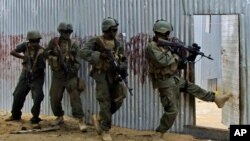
x=110, y=93
x=31, y=78
x=163, y=65
x=62, y=54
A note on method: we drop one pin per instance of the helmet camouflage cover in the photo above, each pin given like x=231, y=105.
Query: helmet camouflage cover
x=34, y=34
x=64, y=26
x=162, y=26
x=109, y=22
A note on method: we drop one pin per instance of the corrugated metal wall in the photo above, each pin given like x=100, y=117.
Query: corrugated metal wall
x=136, y=17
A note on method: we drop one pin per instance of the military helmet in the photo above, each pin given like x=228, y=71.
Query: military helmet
x=162, y=26
x=34, y=34
x=64, y=26
x=109, y=22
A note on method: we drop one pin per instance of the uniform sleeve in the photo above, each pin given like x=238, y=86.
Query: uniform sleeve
x=122, y=57
x=49, y=50
x=88, y=53
x=21, y=47
x=75, y=52
x=41, y=60
x=155, y=54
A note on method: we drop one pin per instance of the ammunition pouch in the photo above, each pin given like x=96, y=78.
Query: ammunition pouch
x=53, y=63
x=103, y=65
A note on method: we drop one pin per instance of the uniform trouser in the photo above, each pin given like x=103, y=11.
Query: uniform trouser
x=109, y=99
x=170, y=99
x=56, y=94
x=21, y=91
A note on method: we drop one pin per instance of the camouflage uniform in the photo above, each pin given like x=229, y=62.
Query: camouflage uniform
x=65, y=79
x=162, y=68
x=31, y=78
x=109, y=91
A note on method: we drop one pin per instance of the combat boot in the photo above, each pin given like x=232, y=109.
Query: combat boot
x=11, y=118
x=106, y=136
x=35, y=122
x=95, y=120
x=82, y=125
x=158, y=137
x=220, y=100
x=58, y=121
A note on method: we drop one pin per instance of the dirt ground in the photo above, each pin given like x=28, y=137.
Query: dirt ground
x=69, y=131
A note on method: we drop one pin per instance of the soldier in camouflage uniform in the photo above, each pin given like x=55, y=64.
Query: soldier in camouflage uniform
x=31, y=78
x=109, y=90
x=62, y=55
x=163, y=65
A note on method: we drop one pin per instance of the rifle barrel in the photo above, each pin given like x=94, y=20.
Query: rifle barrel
x=178, y=45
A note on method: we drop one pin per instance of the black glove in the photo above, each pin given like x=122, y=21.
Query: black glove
x=196, y=46
x=122, y=69
x=194, y=49
x=123, y=74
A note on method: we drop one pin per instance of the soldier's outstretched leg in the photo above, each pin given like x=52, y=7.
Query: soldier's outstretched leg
x=220, y=100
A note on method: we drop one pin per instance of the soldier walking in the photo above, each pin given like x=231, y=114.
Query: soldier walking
x=31, y=78
x=62, y=55
x=100, y=52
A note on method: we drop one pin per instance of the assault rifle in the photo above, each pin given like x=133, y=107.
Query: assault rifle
x=61, y=58
x=178, y=47
x=115, y=65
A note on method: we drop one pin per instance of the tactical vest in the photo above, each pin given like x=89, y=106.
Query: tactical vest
x=31, y=58
x=66, y=50
x=159, y=71
x=104, y=64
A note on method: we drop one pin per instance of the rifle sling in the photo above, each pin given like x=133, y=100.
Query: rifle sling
x=37, y=53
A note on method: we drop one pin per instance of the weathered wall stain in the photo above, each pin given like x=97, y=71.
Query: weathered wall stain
x=136, y=56
x=134, y=50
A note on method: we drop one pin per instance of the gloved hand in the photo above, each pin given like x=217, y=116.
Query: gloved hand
x=195, y=45
x=194, y=49
x=181, y=52
x=175, y=50
x=122, y=69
